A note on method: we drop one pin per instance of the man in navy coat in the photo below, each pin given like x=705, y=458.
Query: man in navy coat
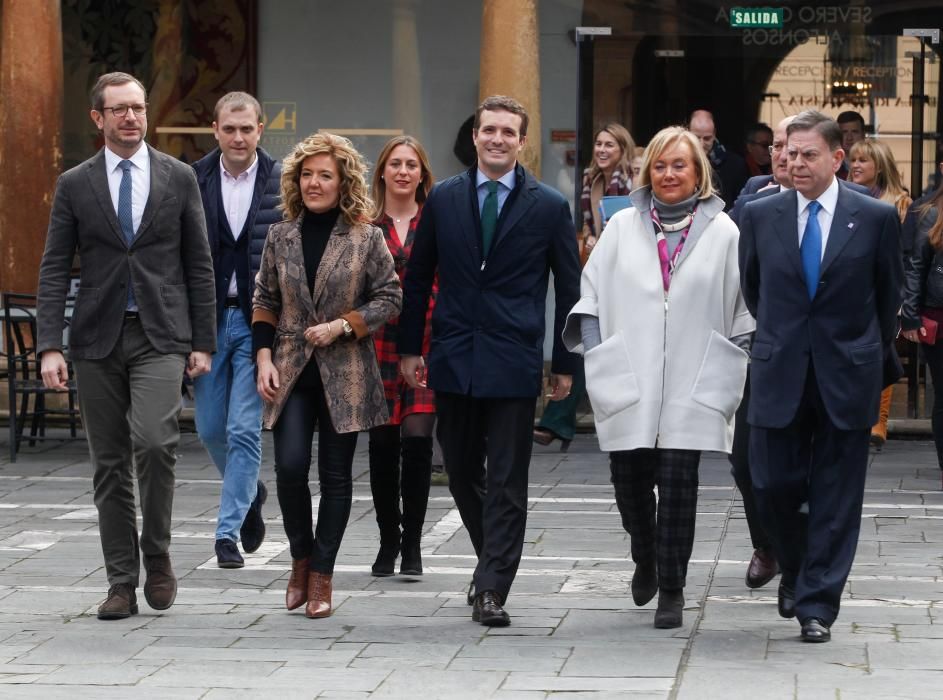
x=493, y=234
x=239, y=185
x=821, y=271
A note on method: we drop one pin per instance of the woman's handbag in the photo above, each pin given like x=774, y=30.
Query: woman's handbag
x=928, y=329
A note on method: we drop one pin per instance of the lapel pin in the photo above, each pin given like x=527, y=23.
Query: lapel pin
x=851, y=225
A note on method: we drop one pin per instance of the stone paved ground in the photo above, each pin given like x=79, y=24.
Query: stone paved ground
x=575, y=631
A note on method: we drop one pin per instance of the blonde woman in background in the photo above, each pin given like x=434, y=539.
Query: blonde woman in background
x=608, y=175
x=873, y=166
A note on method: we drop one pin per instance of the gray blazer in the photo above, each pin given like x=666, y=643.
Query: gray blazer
x=168, y=263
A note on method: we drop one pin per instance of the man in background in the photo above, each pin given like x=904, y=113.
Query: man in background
x=239, y=185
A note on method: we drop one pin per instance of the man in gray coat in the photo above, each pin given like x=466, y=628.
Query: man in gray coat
x=145, y=312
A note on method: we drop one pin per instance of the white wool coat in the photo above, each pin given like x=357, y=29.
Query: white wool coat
x=666, y=374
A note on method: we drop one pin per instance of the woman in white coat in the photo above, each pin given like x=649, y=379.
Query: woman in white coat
x=664, y=331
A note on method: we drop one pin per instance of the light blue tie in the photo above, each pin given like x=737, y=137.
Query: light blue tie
x=811, y=249
x=125, y=217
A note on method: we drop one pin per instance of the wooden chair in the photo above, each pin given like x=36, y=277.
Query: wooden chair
x=27, y=393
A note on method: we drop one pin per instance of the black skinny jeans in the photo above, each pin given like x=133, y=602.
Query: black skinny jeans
x=934, y=357
x=304, y=409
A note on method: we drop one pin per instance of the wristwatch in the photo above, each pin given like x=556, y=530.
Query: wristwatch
x=348, y=329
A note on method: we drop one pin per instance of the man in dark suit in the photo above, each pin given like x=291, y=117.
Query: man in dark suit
x=821, y=271
x=239, y=184
x=493, y=233
x=762, y=567
x=144, y=314
x=730, y=170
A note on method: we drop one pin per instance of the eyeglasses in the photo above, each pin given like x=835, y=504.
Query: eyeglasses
x=776, y=148
x=121, y=110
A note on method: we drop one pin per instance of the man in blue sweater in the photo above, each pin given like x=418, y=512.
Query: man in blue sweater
x=239, y=183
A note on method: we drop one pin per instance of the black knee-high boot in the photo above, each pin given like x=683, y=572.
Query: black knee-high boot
x=384, y=485
x=417, y=473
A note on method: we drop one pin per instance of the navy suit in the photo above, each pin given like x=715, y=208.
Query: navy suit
x=486, y=357
x=755, y=188
x=816, y=375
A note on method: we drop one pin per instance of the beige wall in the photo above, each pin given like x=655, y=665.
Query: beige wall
x=801, y=84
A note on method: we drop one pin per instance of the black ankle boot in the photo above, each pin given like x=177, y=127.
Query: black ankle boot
x=385, y=563
x=417, y=473
x=644, y=581
x=670, y=606
x=384, y=485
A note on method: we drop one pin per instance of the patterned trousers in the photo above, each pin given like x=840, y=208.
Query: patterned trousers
x=669, y=534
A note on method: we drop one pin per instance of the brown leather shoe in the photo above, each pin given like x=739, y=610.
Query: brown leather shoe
x=319, y=595
x=121, y=603
x=762, y=568
x=297, y=593
x=160, y=586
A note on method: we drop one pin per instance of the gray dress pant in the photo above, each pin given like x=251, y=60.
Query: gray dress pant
x=130, y=402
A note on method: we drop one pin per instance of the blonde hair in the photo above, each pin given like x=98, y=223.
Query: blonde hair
x=622, y=137
x=668, y=137
x=887, y=177
x=354, y=201
x=378, y=185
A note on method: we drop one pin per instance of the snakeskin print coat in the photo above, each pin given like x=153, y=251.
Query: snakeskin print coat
x=355, y=281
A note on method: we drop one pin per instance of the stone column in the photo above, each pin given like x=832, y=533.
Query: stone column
x=510, y=63
x=30, y=134
x=406, y=79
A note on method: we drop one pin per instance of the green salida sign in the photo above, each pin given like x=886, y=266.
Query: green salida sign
x=755, y=17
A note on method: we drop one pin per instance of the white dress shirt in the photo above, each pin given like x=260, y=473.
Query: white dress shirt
x=829, y=200
x=236, y=192
x=140, y=180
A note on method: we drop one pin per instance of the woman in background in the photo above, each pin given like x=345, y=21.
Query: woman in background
x=401, y=182
x=923, y=296
x=873, y=166
x=608, y=175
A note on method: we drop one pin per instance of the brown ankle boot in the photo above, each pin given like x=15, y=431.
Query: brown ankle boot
x=319, y=595
x=297, y=593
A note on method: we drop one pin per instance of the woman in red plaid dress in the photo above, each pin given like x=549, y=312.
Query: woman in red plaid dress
x=401, y=181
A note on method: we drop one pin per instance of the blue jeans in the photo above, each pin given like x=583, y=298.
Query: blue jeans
x=229, y=420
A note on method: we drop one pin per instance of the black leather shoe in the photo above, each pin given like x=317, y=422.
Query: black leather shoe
x=786, y=601
x=470, y=596
x=252, y=532
x=227, y=555
x=762, y=569
x=488, y=611
x=644, y=582
x=815, y=630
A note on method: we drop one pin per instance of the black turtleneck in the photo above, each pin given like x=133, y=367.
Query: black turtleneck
x=315, y=231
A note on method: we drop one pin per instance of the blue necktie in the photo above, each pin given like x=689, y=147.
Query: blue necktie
x=489, y=217
x=125, y=218
x=811, y=249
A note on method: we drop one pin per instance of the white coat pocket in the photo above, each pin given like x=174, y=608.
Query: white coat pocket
x=610, y=382
x=719, y=382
